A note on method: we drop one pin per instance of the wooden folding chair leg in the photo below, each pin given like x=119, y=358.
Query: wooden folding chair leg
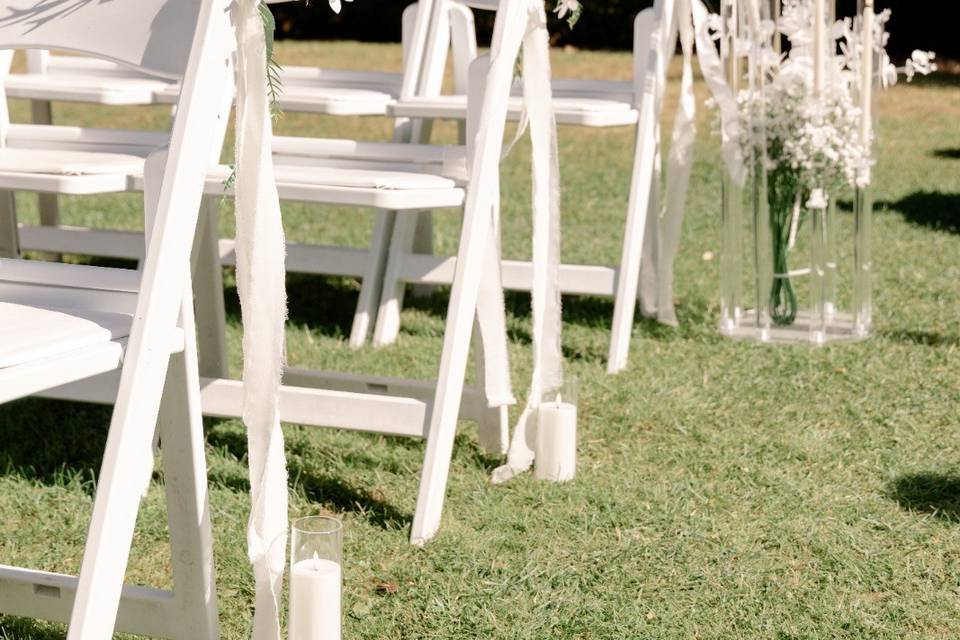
x=185, y=482
x=391, y=298
x=371, y=285
x=124, y=478
x=208, y=287
x=423, y=244
x=125, y=474
x=49, y=207
x=493, y=425
x=47, y=203
x=461, y=312
x=629, y=274
x=650, y=261
x=9, y=235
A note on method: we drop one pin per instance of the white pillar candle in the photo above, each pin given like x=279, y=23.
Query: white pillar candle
x=819, y=47
x=556, y=448
x=866, y=64
x=315, y=600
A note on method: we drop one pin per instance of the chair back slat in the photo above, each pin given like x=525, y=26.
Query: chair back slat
x=488, y=5
x=152, y=35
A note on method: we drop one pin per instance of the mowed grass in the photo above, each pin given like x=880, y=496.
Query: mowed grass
x=724, y=490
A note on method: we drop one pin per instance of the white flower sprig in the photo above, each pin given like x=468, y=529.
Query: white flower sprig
x=569, y=9
x=851, y=47
x=816, y=140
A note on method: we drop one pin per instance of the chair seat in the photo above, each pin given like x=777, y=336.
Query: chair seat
x=361, y=178
x=46, y=333
x=396, y=190
x=65, y=171
x=67, y=162
x=569, y=110
x=122, y=141
x=376, y=187
x=106, y=90
x=335, y=101
x=326, y=92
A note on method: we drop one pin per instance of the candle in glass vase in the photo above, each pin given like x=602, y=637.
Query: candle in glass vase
x=556, y=447
x=315, y=600
x=315, y=579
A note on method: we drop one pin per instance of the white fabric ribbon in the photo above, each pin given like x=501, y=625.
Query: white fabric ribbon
x=530, y=33
x=696, y=24
x=679, y=167
x=260, y=252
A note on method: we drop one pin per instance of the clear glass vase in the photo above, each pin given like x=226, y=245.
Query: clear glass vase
x=784, y=274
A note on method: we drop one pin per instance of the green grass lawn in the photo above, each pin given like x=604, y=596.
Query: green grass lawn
x=725, y=490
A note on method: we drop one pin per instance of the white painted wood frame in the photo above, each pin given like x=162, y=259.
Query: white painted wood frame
x=586, y=103
x=155, y=354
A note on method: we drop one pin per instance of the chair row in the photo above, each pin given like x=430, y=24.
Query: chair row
x=130, y=338
x=414, y=99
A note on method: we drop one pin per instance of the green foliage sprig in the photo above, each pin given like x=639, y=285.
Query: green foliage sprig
x=274, y=84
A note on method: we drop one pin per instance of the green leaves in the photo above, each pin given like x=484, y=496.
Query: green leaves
x=574, y=17
x=274, y=84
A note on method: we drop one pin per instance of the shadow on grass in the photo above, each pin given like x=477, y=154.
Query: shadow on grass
x=947, y=154
x=924, y=338
x=342, y=497
x=326, y=305
x=53, y=442
x=473, y=455
x=323, y=304
x=320, y=489
x=930, y=209
x=937, y=494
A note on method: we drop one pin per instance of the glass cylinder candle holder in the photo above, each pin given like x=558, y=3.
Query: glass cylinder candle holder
x=316, y=558
x=556, y=442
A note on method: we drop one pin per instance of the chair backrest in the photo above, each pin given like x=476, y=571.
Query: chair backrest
x=189, y=40
x=657, y=22
x=151, y=35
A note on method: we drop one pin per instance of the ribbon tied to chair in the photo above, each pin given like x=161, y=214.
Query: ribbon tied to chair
x=527, y=32
x=696, y=25
x=261, y=252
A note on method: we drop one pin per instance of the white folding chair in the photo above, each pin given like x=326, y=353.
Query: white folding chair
x=292, y=156
x=586, y=103
x=406, y=179
x=53, y=77
x=306, y=89
x=68, y=325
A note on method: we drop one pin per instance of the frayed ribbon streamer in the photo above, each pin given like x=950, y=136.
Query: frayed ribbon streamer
x=528, y=30
x=695, y=26
x=261, y=253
